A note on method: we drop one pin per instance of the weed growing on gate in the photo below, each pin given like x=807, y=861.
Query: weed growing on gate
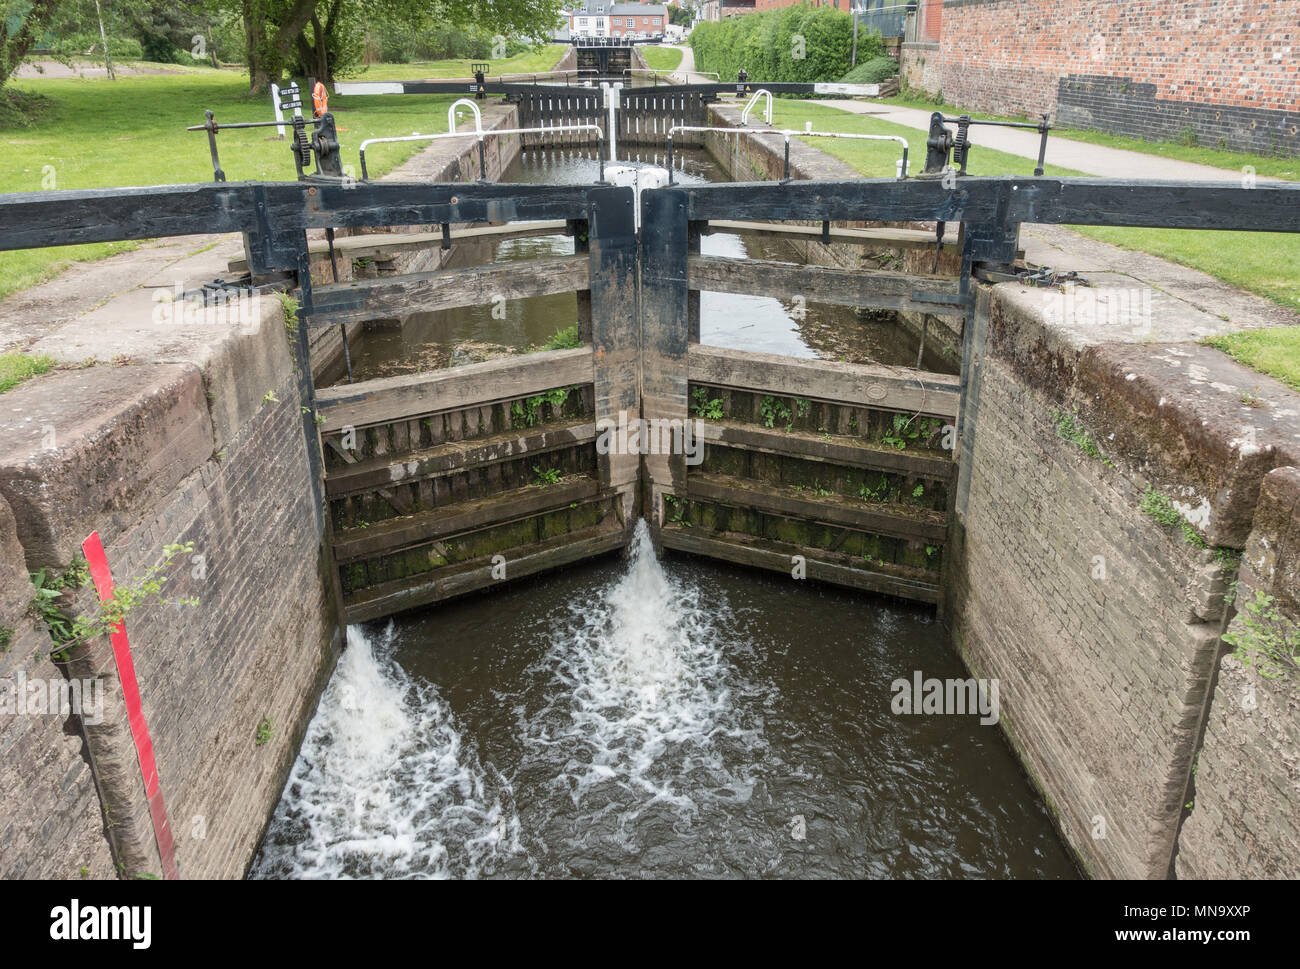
x=904, y=430
x=774, y=411
x=566, y=338
x=528, y=411
x=704, y=407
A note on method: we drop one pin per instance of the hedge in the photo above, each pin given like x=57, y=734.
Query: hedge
x=766, y=44
x=76, y=45
x=873, y=71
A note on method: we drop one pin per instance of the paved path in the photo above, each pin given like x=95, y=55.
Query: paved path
x=1207, y=300
x=49, y=68
x=1078, y=155
x=685, y=73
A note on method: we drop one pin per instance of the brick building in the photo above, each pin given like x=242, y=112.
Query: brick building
x=775, y=4
x=715, y=10
x=1224, y=72
x=597, y=18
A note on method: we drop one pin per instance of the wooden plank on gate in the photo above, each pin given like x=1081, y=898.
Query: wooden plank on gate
x=859, y=384
x=413, y=395
x=936, y=295
x=401, y=296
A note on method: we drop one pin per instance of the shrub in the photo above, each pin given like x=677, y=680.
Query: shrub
x=763, y=44
x=88, y=45
x=873, y=71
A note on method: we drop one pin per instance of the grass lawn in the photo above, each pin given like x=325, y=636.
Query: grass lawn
x=1231, y=161
x=1265, y=263
x=16, y=367
x=662, y=58
x=100, y=133
x=1275, y=351
x=528, y=62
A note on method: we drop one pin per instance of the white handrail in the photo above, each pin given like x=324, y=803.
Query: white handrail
x=767, y=113
x=482, y=135
x=787, y=134
x=478, y=115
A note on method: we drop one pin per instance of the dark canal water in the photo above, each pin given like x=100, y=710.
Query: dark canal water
x=637, y=717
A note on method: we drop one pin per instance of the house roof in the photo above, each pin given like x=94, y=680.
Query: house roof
x=601, y=8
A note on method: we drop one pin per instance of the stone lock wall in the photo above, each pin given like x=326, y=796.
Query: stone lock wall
x=169, y=433
x=1243, y=822
x=1101, y=620
x=197, y=436
x=919, y=67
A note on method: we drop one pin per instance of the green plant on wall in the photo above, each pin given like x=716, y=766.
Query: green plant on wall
x=1160, y=508
x=1265, y=640
x=290, y=306
x=265, y=731
x=709, y=410
x=773, y=411
x=527, y=412
x=126, y=598
x=1070, y=430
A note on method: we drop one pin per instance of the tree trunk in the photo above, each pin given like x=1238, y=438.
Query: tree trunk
x=103, y=39
x=254, y=35
x=321, y=69
x=286, y=35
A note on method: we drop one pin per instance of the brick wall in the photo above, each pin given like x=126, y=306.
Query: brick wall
x=1243, y=822
x=150, y=454
x=256, y=645
x=919, y=66
x=1227, y=69
x=1102, y=625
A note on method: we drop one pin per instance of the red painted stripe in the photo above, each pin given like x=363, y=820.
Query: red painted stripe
x=103, y=579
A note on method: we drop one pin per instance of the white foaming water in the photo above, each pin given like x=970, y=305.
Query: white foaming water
x=383, y=786
x=639, y=691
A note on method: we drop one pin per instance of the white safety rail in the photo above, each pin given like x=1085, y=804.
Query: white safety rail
x=787, y=133
x=767, y=109
x=634, y=71
x=482, y=134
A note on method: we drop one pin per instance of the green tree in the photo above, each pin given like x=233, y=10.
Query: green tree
x=24, y=25
x=278, y=31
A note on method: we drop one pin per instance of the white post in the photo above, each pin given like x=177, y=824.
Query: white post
x=275, y=103
x=612, y=102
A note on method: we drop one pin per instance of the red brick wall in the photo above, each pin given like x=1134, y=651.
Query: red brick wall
x=1224, y=67
x=651, y=24
x=930, y=21
x=773, y=4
